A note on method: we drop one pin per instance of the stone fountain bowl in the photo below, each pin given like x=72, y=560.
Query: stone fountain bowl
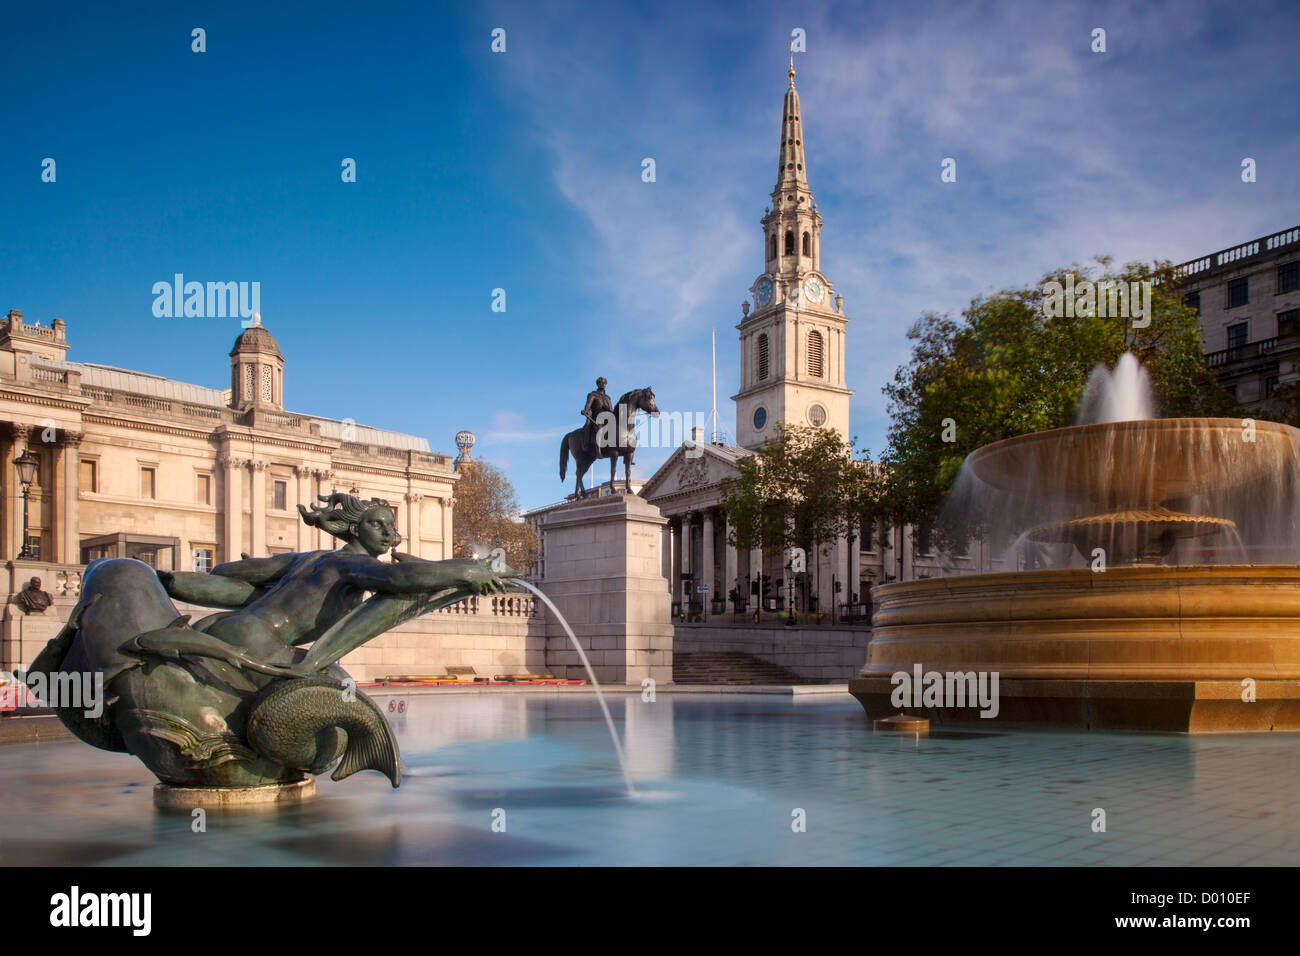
x=1137, y=463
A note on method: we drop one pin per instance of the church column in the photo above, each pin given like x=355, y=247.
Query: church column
x=257, y=507
x=670, y=530
x=685, y=561
x=730, y=563
x=706, y=559
x=233, y=475
x=67, y=543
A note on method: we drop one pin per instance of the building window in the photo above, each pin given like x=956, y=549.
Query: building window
x=280, y=496
x=203, y=490
x=1193, y=301
x=34, y=546
x=89, y=475
x=203, y=560
x=1270, y=386
x=762, y=357
x=250, y=383
x=266, y=384
x=815, y=364
x=1238, y=335
x=148, y=484
x=1287, y=322
x=789, y=242
x=771, y=246
x=1288, y=277
x=807, y=244
x=1238, y=292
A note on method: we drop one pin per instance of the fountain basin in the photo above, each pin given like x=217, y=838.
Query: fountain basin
x=1143, y=647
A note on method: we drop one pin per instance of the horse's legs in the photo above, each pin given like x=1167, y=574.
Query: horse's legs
x=627, y=472
x=613, y=471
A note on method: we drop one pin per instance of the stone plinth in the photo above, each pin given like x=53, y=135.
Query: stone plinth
x=604, y=573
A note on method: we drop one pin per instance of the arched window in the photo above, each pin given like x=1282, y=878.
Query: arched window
x=789, y=242
x=771, y=246
x=762, y=357
x=815, y=354
x=807, y=244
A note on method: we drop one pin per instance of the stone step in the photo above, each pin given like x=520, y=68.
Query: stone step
x=728, y=667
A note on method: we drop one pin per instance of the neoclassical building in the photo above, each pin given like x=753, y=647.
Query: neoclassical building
x=183, y=476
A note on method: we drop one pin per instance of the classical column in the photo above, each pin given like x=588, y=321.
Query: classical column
x=670, y=529
x=18, y=435
x=323, y=476
x=67, y=543
x=685, y=564
x=706, y=559
x=412, y=543
x=302, y=491
x=257, y=508
x=730, y=561
x=447, y=504
x=233, y=476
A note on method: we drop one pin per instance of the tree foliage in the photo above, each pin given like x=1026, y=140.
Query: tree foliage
x=484, y=517
x=1008, y=369
x=803, y=489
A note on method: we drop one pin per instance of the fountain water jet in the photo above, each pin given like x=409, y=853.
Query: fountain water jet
x=609, y=720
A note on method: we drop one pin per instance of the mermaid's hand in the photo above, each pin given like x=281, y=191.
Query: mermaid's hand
x=481, y=578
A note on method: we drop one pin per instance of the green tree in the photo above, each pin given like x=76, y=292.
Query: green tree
x=485, y=518
x=1008, y=369
x=804, y=489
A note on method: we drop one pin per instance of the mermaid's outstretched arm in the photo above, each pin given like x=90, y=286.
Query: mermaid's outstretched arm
x=257, y=570
x=403, y=590
x=417, y=576
x=208, y=589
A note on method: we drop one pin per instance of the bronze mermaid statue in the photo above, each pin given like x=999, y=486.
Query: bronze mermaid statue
x=253, y=694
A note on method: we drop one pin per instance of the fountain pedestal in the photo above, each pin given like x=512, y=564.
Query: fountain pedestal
x=1197, y=649
x=604, y=572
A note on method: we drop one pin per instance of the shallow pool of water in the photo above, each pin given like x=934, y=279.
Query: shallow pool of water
x=721, y=780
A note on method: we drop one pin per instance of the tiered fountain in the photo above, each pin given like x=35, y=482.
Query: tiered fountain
x=1159, y=586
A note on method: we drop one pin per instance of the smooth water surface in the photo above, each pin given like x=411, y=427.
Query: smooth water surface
x=719, y=781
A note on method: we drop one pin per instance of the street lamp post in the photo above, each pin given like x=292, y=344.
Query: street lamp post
x=26, y=464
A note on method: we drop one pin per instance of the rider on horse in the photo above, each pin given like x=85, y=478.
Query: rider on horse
x=597, y=402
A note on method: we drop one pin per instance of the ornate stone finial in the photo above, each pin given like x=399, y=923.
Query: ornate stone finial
x=744, y=308
x=839, y=302
x=257, y=318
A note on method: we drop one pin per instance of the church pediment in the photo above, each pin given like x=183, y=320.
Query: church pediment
x=691, y=467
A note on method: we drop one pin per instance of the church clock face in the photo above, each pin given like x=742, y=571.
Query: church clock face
x=814, y=289
x=764, y=294
x=760, y=418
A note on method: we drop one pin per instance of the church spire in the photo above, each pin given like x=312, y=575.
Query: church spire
x=791, y=174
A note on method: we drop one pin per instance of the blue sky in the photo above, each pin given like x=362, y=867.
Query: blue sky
x=522, y=170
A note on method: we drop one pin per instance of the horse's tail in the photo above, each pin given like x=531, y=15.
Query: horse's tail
x=564, y=456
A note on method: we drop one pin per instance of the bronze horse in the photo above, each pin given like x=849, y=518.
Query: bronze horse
x=615, y=438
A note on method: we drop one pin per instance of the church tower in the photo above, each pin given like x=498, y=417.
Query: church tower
x=792, y=343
